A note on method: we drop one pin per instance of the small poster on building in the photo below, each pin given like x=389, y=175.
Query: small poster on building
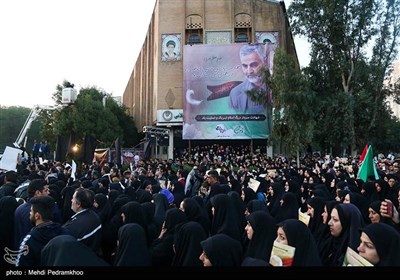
x=171, y=47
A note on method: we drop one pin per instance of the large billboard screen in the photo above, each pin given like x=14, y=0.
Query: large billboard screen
x=219, y=81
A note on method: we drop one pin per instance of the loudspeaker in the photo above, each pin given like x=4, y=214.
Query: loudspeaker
x=151, y=136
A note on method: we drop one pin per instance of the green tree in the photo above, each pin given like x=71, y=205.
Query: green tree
x=93, y=113
x=348, y=81
x=294, y=104
x=130, y=134
x=12, y=120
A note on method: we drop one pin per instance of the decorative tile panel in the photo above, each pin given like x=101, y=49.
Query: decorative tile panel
x=218, y=37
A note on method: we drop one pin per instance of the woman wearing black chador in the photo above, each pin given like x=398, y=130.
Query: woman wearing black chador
x=344, y=225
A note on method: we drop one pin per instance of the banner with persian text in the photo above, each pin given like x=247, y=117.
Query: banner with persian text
x=221, y=84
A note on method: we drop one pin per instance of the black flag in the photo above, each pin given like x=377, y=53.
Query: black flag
x=88, y=149
x=62, y=147
x=118, y=152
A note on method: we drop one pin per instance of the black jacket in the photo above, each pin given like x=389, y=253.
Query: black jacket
x=8, y=189
x=86, y=227
x=33, y=243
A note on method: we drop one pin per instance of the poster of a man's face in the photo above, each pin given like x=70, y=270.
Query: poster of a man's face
x=171, y=47
x=217, y=79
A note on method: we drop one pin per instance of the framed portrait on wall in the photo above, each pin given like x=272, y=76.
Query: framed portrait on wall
x=171, y=47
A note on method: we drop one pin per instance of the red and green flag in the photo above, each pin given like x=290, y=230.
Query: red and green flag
x=364, y=152
x=368, y=167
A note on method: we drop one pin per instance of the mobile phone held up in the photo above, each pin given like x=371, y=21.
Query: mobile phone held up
x=389, y=207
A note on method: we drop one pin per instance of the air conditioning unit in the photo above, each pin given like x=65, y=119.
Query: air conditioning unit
x=68, y=96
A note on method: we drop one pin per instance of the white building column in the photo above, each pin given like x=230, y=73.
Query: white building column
x=171, y=143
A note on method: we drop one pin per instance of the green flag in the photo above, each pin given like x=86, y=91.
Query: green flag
x=368, y=167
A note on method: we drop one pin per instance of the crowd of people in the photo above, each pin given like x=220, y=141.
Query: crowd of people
x=199, y=209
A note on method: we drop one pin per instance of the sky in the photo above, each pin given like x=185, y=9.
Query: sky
x=87, y=42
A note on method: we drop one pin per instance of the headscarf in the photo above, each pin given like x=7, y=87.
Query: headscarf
x=316, y=225
x=255, y=204
x=195, y=213
x=104, y=208
x=264, y=228
x=8, y=204
x=299, y=236
x=187, y=240
x=289, y=208
x=386, y=241
x=132, y=248
x=65, y=250
x=224, y=219
x=351, y=220
x=222, y=250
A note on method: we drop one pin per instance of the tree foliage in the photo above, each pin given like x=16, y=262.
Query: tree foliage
x=349, y=80
x=93, y=113
x=294, y=104
x=87, y=116
x=12, y=120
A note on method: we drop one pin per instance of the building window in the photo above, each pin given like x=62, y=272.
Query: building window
x=242, y=35
x=194, y=29
x=194, y=36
